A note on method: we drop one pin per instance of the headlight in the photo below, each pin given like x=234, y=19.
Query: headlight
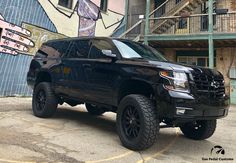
x=178, y=81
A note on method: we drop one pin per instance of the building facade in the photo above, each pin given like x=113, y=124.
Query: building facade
x=197, y=32
x=26, y=24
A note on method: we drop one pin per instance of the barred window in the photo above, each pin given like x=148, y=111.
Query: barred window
x=66, y=3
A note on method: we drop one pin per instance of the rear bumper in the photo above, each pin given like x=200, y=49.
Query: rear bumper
x=179, y=106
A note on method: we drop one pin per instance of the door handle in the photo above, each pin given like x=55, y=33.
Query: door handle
x=86, y=65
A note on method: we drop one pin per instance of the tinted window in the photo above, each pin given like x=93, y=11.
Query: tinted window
x=78, y=49
x=63, y=47
x=41, y=54
x=98, y=46
x=57, y=47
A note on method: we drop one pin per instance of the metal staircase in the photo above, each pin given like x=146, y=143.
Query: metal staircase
x=183, y=6
x=162, y=25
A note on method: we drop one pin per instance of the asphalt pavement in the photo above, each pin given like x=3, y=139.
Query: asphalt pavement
x=72, y=135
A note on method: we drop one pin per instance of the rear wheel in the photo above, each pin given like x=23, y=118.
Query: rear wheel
x=137, y=122
x=199, y=130
x=44, y=101
x=94, y=109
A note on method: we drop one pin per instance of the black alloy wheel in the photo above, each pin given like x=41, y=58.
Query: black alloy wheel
x=44, y=102
x=131, y=122
x=137, y=122
x=41, y=100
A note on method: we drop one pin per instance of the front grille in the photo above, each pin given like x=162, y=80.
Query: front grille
x=209, y=86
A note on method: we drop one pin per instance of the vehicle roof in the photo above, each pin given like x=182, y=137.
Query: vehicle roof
x=83, y=38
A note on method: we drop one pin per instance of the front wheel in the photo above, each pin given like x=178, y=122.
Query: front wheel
x=137, y=122
x=199, y=130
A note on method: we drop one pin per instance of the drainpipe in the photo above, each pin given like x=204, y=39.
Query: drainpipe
x=126, y=14
x=210, y=36
x=147, y=24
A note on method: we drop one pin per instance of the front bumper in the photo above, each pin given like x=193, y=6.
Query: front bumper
x=185, y=107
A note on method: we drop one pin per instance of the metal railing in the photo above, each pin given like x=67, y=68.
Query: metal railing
x=195, y=24
x=163, y=12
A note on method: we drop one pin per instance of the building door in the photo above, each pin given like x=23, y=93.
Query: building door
x=136, y=9
x=182, y=26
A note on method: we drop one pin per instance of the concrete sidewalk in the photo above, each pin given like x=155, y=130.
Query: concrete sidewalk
x=73, y=135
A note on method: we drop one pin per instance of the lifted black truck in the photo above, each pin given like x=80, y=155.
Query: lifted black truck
x=131, y=79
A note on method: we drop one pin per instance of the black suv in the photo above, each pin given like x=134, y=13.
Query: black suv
x=131, y=79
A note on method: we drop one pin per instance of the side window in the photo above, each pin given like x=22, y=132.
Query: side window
x=98, y=46
x=41, y=54
x=63, y=47
x=59, y=47
x=78, y=49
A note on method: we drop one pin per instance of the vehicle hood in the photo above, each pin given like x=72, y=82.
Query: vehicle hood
x=186, y=68
x=167, y=65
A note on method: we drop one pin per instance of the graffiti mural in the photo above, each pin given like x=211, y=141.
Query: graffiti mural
x=15, y=40
x=21, y=42
x=26, y=24
x=39, y=36
x=89, y=14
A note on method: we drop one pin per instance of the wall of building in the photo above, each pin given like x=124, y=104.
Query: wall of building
x=136, y=8
x=226, y=59
x=31, y=22
x=170, y=54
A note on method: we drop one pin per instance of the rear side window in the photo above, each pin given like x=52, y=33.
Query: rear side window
x=41, y=54
x=63, y=47
x=78, y=49
x=98, y=46
x=55, y=49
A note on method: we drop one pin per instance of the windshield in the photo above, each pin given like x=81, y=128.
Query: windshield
x=130, y=49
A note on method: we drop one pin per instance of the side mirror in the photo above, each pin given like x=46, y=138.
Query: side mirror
x=108, y=53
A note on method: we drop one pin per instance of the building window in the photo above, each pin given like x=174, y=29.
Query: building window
x=183, y=23
x=195, y=60
x=66, y=3
x=204, y=19
x=103, y=5
x=177, y=1
x=161, y=11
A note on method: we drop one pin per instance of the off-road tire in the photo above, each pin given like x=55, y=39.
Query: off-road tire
x=203, y=129
x=148, y=122
x=50, y=103
x=95, y=110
